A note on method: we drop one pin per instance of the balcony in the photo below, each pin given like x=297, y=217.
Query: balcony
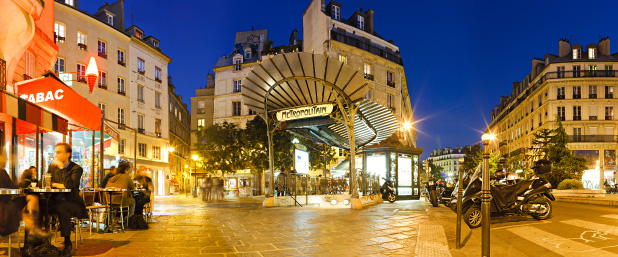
x=157, y=79
x=200, y=111
x=369, y=76
x=141, y=100
x=609, y=117
x=390, y=84
x=81, y=46
x=592, y=118
x=577, y=96
x=102, y=86
x=592, y=96
x=562, y=118
x=59, y=38
x=609, y=96
x=122, y=92
x=103, y=55
x=577, y=117
x=363, y=44
x=593, y=138
x=121, y=62
x=158, y=134
x=142, y=71
x=141, y=131
x=392, y=109
x=502, y=143
x=560, y=97
x=121, y=126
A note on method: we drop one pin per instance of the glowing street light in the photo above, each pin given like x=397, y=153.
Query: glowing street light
x=407, y=125
x=170, y=149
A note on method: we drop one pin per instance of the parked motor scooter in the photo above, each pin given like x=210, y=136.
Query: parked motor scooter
x=388, y=191
x=444, y=193
x=430, y=189
x=530, y=196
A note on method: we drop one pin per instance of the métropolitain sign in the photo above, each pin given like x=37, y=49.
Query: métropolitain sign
x=305, y=112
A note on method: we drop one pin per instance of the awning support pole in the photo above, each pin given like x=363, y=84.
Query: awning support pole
x=101, y=148
x=93, y=168
x=39, y=155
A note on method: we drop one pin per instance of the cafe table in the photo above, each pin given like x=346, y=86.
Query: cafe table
x=10, y=192
x=112, y=224
x=47, y=247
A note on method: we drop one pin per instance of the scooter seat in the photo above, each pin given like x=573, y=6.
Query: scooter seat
x=504, y=196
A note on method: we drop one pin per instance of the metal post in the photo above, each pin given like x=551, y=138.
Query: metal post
x=92, y=153
x=38, y=163
x=485, y=198
x=601, y=171
x=459, y=199
x=101, y=149
x=350, y=125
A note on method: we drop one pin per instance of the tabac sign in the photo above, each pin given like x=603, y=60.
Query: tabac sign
x=305, y=112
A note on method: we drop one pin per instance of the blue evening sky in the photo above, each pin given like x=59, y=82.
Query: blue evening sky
x=459, y=56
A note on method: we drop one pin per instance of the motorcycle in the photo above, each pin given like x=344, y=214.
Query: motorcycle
x=530, y=196
x=444, y=193
x=430, y=189
x=388, y=191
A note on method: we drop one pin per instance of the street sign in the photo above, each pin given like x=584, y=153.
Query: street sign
x=305, y=112
x=111, y=132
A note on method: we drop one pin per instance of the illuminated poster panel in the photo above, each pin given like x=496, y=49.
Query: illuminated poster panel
x=301, y=161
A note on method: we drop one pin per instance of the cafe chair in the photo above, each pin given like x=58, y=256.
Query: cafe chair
x=93, y=208
x=117, y=206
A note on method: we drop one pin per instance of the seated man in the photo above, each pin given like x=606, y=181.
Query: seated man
x=112, y=172
x=144, y=182
x=66, y=174
x=25, y=208
x=123, y=180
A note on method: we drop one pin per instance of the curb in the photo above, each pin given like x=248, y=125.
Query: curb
x=590, y=201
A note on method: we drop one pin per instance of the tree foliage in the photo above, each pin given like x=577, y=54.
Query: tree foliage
x=221, y=148
x=471, y=160
x=435, y=171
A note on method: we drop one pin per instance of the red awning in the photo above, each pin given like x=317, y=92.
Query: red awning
x=52, y=94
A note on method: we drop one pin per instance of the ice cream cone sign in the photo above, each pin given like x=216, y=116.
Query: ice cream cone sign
x=92, y=73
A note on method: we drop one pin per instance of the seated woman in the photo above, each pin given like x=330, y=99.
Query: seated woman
x=24, y=208
x=27, y=178
x=123, y=180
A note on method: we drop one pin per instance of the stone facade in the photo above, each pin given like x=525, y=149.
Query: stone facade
x=448, y=159
x=180, y=135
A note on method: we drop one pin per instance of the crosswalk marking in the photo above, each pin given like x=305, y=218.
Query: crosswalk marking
x=592, y=226
x=431, y=241
x=557, y=244
x=610, y=216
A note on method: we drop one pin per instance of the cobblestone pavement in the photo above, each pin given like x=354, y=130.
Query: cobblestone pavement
x=190, y=227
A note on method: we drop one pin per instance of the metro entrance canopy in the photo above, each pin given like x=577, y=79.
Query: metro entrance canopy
x=287, y=87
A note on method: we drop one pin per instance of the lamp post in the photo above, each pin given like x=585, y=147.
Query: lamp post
x=485, y=195
x=459, y=199
x=195, y=158
x=186, y=191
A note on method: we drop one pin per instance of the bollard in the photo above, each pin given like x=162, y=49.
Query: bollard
x=459, y=199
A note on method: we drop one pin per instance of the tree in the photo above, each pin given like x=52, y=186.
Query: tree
x=435, y=171
x=319, y=154
x=471, y=158
x=255, y=141
x=220, y=147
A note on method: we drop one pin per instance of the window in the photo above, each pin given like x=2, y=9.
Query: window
x=389, y=79
x=592, y=92
x=103, y=109
x=158, y=74
x=336, y=12
x=140, y=66
x=121, y=145
x=367, y=70
x=369, y=94
x=577, y=71
x=102, y=49
x=59, y=67
x=540, y=100
x=390, y=100
x=60, y=32
x=592, y=70
x=121, y=60
x=361, y=22
x=560, y=72
x=609, y=112
x=561, y=112
x=592, y=53
x=140, y=93
x=158, y=127
x=248, y=53
x=69, y=2
x=121, y=86
x=140, y=121
x=110, y=19
x=121, y=116
x=577, y=54
x=592, y=112
x=201, y=123
x=141, y=150
x=237, y=85
x=81, y=41
x=577, y=134
x=201, y=107
x=102, y=79
x=560, y=94
x=252, y=112
x=609, y=92
x=236, y=108
x=577, y=113
x=30, y=65
x=577, y=92
x=157, y=100
x=237, y=64
x=81, y=73
x=156, y=152
x=343, y=58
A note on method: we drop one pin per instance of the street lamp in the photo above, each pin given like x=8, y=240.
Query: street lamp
x=459, y=196
x=186, y=167
x=485, y=195
x=195, y=158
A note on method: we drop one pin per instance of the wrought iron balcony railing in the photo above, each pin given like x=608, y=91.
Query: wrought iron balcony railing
x=593, y=138
x=363, y=44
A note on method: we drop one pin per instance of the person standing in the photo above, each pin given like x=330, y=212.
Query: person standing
x=208, y=191
x=66, y=174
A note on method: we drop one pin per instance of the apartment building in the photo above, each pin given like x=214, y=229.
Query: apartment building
x=180, y=136
x=577, y=85
x=448, y=159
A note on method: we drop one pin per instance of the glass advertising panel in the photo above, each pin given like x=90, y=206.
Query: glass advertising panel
x=404, y=182
x=376, y=164
x=301, y=161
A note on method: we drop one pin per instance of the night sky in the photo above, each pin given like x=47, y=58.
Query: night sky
x=459, y=56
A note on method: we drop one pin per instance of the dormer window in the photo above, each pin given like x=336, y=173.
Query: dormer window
x=336, y=12
x=138, y=34
x=592, y=53
x=69, y=2
x=361, y=22
x=237, y=62
x=110, y=19
x=577, y=54
x=247, y=53
x=155, y=44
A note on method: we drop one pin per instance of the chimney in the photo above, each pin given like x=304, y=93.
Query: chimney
x=323, y=6
x=564, y=48
x=604, y=47
x=369, y=21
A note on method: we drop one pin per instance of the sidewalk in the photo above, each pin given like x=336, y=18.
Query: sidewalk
x=610, y=200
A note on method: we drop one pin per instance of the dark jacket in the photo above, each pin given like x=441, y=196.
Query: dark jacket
x=123, y=181
x=9, y=212
x=70, y=178
x=105, y=179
